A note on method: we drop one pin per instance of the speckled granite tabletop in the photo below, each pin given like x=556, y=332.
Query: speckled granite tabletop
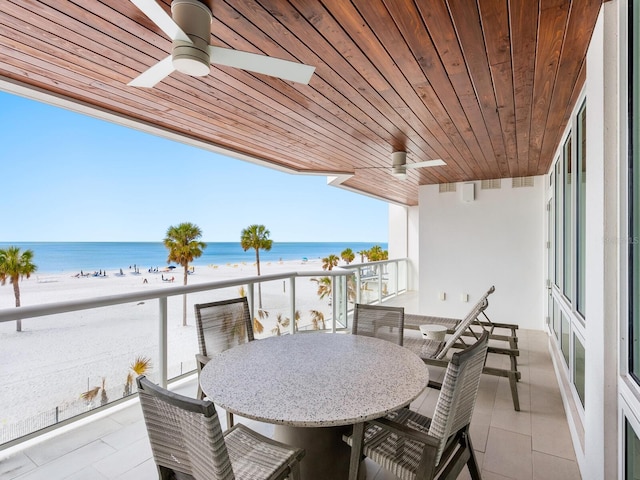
x=314, y=380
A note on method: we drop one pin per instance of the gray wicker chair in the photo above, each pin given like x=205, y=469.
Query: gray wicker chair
x=415, y=447
x=221, y=325
x=187, y=442
x=378, y=321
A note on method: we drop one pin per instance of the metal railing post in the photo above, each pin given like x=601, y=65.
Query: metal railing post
x=345, y=302
x=250, y=300
x=333, y=303
x=162, y=344
x=292, y=302
x=397, y=275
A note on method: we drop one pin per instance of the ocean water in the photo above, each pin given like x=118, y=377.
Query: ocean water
x=55, y=257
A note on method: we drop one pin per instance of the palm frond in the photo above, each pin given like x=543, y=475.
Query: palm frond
x=141, y=365
x=257, y=326
x=90, y=395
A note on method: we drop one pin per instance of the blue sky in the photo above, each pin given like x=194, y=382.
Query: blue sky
x=69, y=177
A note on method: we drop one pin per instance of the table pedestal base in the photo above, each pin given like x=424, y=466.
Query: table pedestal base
x=327, y=456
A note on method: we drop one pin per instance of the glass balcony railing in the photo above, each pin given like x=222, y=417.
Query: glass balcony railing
x=76, y=357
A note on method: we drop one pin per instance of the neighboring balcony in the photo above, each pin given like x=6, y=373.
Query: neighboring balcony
x=112, y=443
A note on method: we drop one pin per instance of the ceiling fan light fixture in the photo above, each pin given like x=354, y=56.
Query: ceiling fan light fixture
x=399, y=172
x=187, y=58
x=192, y=58
x=399, y=165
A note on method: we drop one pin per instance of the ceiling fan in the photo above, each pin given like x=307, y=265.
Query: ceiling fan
x=190, y=30
x=399, y=164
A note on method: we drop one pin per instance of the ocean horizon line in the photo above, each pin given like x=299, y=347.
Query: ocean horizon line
x=17, y=243
x=59, y=257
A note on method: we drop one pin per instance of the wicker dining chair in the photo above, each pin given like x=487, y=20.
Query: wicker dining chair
x=379, y=321
x=221, y=325
x=415, y=447
x=187, y=442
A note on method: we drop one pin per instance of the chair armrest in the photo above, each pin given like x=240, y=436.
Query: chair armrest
x=406, y=432
x=201, y=360
x=510, y=326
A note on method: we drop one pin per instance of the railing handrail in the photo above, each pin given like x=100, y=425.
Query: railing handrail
x=377, y=262
x=44, y=309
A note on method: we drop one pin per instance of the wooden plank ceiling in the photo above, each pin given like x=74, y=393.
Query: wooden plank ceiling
x=486, y=85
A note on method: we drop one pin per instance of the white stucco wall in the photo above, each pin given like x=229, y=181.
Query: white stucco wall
x=403, y=239
x=497, y=239
x=397, y=231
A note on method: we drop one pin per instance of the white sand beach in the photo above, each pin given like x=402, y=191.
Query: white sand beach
x=56, y=358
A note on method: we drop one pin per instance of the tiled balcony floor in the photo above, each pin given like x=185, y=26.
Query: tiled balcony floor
x=534, y=443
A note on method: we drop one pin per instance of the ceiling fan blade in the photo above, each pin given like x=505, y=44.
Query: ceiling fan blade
x=149, y=78
x=426, y=163
x=274, y=67
x=162, y=19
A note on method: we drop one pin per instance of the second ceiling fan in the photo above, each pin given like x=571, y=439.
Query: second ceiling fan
x=399, y=164
x=190, y=30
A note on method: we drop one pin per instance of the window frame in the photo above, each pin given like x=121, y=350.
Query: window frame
x=633, y=185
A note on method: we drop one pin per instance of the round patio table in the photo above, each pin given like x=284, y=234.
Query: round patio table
x=313, y=387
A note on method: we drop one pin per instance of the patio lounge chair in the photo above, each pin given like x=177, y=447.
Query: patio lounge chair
x=413, y=321
x=379, y=321
x=221, y=325
x=415, y=447
x=434, y=352
x=187, y=442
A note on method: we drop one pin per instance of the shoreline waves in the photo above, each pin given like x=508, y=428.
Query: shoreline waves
x=64, y=257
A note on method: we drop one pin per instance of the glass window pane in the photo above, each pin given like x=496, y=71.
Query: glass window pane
x=578, y=367
x=556, y=320
x=632, y=453
x=567, y=230
x=581, y=186
x=564, y=342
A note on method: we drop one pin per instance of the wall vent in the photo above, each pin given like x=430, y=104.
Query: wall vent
x=490, y=184
x=518, y=182
x=447, y=187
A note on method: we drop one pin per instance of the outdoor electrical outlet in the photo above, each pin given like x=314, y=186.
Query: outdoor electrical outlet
x=464, y=297
x=443, y=296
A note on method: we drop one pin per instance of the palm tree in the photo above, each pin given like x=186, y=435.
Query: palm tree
x=258, y=327
x=347, y=255
x=184, y=245
x=139, y=367
x=92, y=394
x=317, y=318
x=329, y=262
x=362, y=253
x=324, y=286
x=256, y=237
x=14, y=266
x=376, y=253
x=283, y=322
